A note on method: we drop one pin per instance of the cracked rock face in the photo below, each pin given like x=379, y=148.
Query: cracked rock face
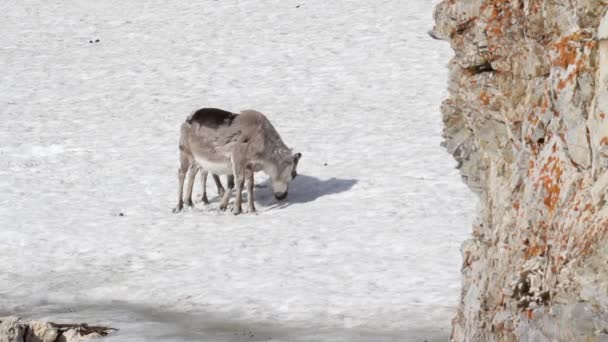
x=527, y=121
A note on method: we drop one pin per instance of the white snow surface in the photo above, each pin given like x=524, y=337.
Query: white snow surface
x=365, y=249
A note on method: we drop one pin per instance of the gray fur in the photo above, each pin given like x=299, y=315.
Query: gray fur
x=221, y=142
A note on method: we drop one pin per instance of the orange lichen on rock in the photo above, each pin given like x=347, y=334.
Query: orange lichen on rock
x=563, y=82
x=462, y=27
x=530, y=167
x=535, y=250
x=533, y=118
x=586, y=210
x=551, y=175
x=484, y=97
x=499, y=18
x=552, y=196
x=544, y=105
x=567, y=50
x=573, y=50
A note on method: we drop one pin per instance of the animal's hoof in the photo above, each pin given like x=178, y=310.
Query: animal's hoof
x=223, y=207
x=189, y=203
x=177, y=210
x=237, y=212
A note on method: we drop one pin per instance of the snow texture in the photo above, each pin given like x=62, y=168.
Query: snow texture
x=365, y=249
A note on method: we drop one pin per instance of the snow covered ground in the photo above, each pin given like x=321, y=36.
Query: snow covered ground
x=367, y=248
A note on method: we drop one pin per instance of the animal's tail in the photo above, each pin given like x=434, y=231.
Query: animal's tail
x=184, y=130
x=189, y=118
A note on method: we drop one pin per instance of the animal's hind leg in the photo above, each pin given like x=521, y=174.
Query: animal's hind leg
x=218, y=183
x=230, y=179
x=181, y=175
x=191, y=176
x=204, y=175
x=250, y=184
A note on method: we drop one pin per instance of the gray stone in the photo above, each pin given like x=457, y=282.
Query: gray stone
x=14, y=329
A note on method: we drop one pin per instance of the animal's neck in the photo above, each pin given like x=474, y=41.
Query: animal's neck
x=274, y=143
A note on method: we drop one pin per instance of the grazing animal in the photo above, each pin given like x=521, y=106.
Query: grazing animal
x=226, y=143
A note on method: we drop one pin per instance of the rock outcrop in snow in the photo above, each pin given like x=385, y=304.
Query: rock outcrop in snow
x=13, y=329
x=526, y=119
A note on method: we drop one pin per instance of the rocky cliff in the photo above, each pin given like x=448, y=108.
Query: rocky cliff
x=527, y=121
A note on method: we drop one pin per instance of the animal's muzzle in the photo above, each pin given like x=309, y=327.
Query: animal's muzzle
x=280, y=195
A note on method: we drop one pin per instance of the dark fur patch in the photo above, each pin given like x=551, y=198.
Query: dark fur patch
x=233, y=137
x=212, y=117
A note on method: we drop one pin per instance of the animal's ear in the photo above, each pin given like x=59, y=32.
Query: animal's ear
x=296, y=157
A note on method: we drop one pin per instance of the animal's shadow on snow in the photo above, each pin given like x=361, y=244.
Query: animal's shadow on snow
x=303, y=189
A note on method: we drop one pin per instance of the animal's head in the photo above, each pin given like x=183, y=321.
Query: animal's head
x=283, y=174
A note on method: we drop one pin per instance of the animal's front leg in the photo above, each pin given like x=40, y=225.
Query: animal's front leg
x=250, y=184
x=225, y=200
x=226, y=197
x=238, y=171
x=240, y=182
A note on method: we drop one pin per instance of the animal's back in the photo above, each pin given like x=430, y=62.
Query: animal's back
x=211, y=118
